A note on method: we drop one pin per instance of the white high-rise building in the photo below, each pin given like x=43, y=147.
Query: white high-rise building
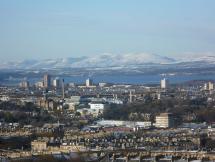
x=56, y=82
x=164, y=83
x=209, y=86
x=89, y=82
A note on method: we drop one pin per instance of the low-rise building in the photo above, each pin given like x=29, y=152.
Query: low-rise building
x=97, y=108
x=38, y=146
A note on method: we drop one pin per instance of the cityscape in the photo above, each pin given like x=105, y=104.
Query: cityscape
x=107, y=81
x=106, y=121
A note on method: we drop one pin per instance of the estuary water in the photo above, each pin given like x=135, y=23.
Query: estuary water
x=139, y=79
x=117, y=79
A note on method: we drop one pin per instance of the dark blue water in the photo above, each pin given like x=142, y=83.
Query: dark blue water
x=140, y=79
x=126, y=79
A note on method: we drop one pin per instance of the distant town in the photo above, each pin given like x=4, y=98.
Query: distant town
x=107, y=121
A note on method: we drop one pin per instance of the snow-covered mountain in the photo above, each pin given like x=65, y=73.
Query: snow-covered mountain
x=103, y=60
x=208, y=59
x=108, y=60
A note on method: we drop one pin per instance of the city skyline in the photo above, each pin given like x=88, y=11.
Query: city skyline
x=107, y=81
x=53, y=29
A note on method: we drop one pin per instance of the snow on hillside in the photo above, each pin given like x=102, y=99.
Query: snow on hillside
x=106, y=60
x=103, y=60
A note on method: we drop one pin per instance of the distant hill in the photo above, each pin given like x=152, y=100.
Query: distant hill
x=102, y=60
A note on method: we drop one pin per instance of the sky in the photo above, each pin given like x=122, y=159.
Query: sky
x=41, y=29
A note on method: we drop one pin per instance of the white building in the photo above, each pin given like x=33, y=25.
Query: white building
x=89, y=82
x=164, y=83
x=164, y=120
x=209, y=86
x=97, y=108
x=75, y=100
x=113, y=101
x=102, y=84
x=56, y=82
x=131, y=124
x=4, y=98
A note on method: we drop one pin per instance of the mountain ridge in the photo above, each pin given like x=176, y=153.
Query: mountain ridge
x=105, y=60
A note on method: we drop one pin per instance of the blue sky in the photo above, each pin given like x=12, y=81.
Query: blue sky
x=40, y=29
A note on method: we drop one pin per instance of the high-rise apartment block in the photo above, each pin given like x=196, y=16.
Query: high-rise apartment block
x=209, y=86
x=24, y=84
x=164, y=120
x=89, y=82
x=47, y=81
x=56, y=82
x=164, y=83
